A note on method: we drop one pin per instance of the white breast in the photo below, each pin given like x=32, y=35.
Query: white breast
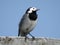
x=27, y=24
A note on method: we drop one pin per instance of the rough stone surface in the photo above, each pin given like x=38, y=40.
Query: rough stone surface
x=21, y=41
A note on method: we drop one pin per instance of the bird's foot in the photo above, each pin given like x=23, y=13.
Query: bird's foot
x=33, y=38
x=26, y=38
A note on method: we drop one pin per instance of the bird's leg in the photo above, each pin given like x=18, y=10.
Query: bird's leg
x=26, y=38
x=33, y=38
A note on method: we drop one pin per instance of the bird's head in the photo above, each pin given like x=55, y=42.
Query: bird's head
x=31, y=10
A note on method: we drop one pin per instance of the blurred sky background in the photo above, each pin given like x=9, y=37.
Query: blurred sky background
x=48, y=25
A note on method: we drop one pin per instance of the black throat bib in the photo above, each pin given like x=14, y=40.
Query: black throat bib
x=33, y=16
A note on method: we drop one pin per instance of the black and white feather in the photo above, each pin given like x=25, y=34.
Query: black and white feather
x=28, y=22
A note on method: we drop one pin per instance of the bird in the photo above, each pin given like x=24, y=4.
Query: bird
x=28, y=22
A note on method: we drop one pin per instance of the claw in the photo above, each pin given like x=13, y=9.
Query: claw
x=26, y=38
x=33, y=38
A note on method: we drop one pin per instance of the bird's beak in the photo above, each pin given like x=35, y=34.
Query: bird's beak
x=37, y=9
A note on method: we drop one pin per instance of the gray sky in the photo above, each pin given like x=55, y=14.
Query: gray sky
x=48, y=24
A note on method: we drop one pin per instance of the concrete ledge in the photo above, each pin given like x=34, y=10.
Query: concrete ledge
x=21, y=41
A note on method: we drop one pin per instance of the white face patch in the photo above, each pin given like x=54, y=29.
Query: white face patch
x=32, y=9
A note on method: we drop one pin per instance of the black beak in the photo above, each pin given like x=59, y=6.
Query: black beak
x=37, y=9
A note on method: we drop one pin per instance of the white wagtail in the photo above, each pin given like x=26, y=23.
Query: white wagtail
x=28, y=22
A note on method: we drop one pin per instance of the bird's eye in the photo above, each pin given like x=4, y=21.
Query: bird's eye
x=33, y=8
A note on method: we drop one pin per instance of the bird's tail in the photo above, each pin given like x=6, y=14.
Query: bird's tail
x=19, y=32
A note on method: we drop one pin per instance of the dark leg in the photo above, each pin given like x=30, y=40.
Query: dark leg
x=33, y=38
x=26, y=38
